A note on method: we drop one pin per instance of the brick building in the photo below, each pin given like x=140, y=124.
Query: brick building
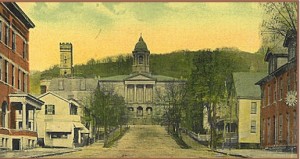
x=17, y=107
x=279, y=98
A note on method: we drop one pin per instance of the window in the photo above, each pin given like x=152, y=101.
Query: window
x=59, y=135
x=263, y=130
x=280, y=126
x=253, y=126
x=6, y=35
x=13, y=41
x=295, y=128
x=280, y=88
x=19, y=79
x=24, y=50
x=269, y=95
x=253, y=107
x=24, y=82
x=29, y=125
x=275, y=92
x=13, y=75
x=141, y=60
x=269, y=130
x=1, y=65
x=61, y=85
x=49, y=109
x=73, y=110
x=20, y=112
x=6, y=72
x=20, y=125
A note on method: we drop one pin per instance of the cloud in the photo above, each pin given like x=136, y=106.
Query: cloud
x=69, y=13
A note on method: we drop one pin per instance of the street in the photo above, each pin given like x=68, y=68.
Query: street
x=142, y=141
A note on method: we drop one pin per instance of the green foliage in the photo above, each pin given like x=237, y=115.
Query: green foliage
x=35, y=82
x=108, y=110
x=207, y=87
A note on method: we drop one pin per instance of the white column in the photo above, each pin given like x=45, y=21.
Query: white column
x=34, y=121
x=144, y=93
x=79, y=136
x=24, y=126
x=135, y=93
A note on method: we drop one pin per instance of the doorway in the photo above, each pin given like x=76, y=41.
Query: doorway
x=16, y=144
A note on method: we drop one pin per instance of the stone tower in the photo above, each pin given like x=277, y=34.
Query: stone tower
x=140, y=57
x=66, y=59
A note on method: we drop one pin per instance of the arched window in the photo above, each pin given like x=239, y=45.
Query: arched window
x=141, y=59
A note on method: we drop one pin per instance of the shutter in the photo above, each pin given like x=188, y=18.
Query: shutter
x=45, y=109
x=53, y=112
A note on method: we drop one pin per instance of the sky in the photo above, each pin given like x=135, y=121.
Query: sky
x=98, y=30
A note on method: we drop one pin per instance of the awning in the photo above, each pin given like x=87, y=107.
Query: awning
x=83, y=129
x=59, y=127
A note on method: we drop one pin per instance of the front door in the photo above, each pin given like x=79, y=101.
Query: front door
x=16, y=144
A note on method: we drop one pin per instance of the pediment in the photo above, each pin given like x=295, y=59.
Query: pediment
x=139, y=77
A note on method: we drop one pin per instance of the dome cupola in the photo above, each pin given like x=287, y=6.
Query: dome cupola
x=141, y=45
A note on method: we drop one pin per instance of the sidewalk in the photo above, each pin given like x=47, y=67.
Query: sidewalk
x=36, y=152
x=256, y=153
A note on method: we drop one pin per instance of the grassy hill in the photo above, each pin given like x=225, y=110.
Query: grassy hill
x=176, y=64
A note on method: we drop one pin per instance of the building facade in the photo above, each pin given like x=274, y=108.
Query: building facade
x=141, y=90
x=60, y=122
x=279, y=98
x=248, y=104
x=17, y=107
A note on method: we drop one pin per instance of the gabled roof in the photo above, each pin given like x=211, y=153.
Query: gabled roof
x=56, y=95
x=72, y=100
x=244, y=83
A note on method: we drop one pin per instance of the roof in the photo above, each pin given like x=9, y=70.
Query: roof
x=119, y=78
x=244, y=83
x=73, y=84
x=115, y=78
x=275, y=52
x=141, y=46
x=18, y=12
x=277, y=72
x=56, y=95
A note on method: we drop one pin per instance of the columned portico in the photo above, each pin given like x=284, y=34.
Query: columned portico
x=25, y=103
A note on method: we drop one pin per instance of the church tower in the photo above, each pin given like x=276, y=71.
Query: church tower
x=66, y=59
x=140, y=57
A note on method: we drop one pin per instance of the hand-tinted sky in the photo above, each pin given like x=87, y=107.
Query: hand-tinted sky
x=99, y=30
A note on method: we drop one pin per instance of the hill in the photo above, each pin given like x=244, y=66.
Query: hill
x=176, y=64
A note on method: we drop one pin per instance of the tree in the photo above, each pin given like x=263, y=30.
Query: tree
x=206, y=84
x=173, y=98
x=108, y=110
x=279, y=18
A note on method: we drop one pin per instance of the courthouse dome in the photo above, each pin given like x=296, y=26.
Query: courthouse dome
x=141, y=45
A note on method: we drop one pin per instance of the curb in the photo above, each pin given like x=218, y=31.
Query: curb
x=230, y=154
x=53, y=154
